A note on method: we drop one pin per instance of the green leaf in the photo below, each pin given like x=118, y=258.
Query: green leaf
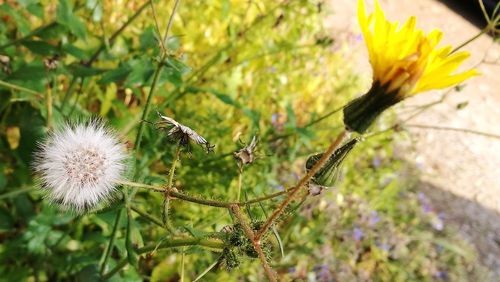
x=116, y=75
x=142, y=69
x=147, y=39
x=75, y=51
x=177, y=65
x=40, y=47
x=33, y=71
x=36, y=9
x=90, y=273
x=83, y=71
x=226, y=99
x=65, y=16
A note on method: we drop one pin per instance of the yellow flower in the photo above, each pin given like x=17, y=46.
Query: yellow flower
x=405, y=61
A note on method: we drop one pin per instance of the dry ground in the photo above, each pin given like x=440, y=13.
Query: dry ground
x=461, y=171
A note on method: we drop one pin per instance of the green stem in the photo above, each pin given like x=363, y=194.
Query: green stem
x=20, y=88
x=240, y=182
x=111, y=241
x=209, y=243
x=465, y=130
x=483, y=31
x=157, y=73
x=183, y=257
x=17, y=192
x=147, y=216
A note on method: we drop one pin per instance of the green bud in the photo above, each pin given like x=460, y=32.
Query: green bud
x=328, y=174
x=361, y=112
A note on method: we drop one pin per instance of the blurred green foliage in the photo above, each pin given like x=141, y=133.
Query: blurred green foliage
x=235, y=69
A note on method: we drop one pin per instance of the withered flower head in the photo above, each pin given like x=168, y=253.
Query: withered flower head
x=246, y=155
x=182, y=133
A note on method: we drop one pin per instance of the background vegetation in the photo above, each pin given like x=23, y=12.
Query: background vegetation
x=234, y=69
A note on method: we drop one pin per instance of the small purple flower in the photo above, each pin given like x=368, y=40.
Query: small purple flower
x=377, y=162
x=274, y=118
x=272, y=69
x=359, y=37
x=439, y=248
x=357, y=234
x=442, y=275
x=424, y=202
x=323, y=272
x=385, y=247
x=374, y=218
x=292, y=270
x=438, y=223
x=280, y=187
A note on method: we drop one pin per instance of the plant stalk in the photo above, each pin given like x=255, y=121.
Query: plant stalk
x=271, y=275
x=279, y=210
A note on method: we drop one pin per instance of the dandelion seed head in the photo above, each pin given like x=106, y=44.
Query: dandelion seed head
x=79, y=165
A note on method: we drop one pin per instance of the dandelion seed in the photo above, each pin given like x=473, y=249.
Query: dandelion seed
x=405, y=61
x=79, y=165
x=182, y=133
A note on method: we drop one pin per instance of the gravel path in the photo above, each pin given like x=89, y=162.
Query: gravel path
x=461, y=171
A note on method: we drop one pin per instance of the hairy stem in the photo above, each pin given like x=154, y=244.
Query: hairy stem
x=271, y=275
x=209, y=243
x=206, y=202
x=166, y=201
x=279, y=210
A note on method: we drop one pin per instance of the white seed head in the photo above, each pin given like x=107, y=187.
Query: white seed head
x=79, y=165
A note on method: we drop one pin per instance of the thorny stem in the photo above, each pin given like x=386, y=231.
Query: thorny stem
x=212, y=203
x=209, y=243
x=271, y=275
x=279, y=210
x=166, y=201
x=111, y=241
x=157, y=73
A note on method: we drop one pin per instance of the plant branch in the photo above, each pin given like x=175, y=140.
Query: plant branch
x=279, y=210
x=271, y=275
x=20, y=88
x=205, y=202
x=465, y=130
